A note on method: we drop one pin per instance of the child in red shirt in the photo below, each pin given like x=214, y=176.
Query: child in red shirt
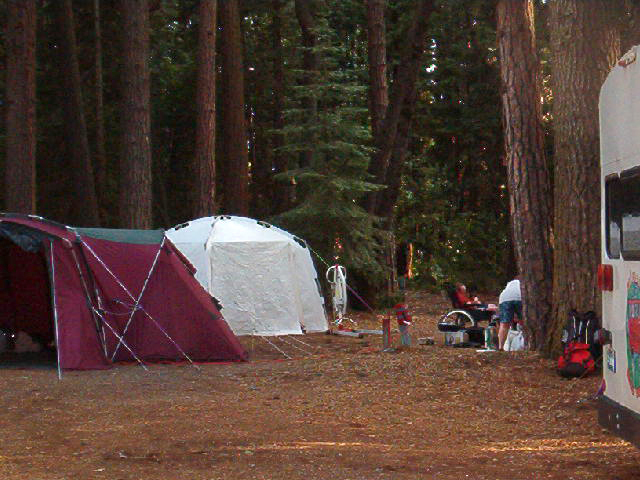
x=404, y=320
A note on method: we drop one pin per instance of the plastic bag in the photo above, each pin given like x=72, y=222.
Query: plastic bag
x=514, y=341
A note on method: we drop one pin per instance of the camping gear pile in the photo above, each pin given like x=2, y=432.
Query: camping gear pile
x=579, y=348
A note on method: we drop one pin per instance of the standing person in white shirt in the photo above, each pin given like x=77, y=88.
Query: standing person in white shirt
x=510, y=305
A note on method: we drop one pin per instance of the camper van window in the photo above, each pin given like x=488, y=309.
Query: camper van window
x=614, y=216
x=627, y=203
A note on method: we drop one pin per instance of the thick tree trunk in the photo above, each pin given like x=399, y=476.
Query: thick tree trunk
x=630, y=26
x=235, y=160
x=20, y=168
x=135, y=157
x=84, y=210
x=100, y=165
x=377, y=54
x=528, y=177
x=585, y=45
x=304, y=13
x=388, y=197
x=281, y=190
x=403, y=85
x=205, y=168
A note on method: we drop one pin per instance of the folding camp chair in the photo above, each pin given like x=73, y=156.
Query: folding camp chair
x=462, y=314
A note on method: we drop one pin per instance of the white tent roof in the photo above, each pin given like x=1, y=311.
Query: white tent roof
x=263, y=276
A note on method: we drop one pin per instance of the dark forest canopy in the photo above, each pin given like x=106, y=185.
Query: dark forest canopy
x=307, y=172
x=358, y=125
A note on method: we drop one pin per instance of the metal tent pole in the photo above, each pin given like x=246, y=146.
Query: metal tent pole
x=137, y=301
x=141, y=308
x=55, y=307
x=94, y=311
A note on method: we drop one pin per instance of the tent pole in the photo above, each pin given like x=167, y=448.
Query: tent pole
x=55, y=307
x=125, y=345
x=95, y=312
x=137, y=301
x=94, y=286
x=141, y=308
x=87, y=292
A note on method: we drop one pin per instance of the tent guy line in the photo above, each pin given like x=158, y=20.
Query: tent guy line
x=137, y=301
x=134, y=299
x=65, y=287
x=102, y=319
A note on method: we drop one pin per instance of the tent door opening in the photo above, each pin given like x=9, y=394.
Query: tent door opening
x=26, y=317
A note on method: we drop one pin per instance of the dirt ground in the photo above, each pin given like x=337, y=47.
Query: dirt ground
x=339, y=409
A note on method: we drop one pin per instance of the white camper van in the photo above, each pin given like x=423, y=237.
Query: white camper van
x=619, y=272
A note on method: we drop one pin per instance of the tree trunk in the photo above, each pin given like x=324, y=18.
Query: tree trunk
x=304, y=9
x=84, y=209
x=20, y=168
x=281, y=190
x=630, y=26
x=377, y=53
x=585, y=45
x=205, y=168
x=135, y=158
x=235, y=160
x=388, y=197
x=528, y=177
x=100, y=165
x=403, y=85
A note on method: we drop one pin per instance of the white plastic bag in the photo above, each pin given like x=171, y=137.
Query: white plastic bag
x=514, y=341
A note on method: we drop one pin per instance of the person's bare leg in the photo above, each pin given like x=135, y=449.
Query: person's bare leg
x=502, y=334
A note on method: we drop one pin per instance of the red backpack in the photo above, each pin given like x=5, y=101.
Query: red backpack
x=576, y=360
x=579, y=347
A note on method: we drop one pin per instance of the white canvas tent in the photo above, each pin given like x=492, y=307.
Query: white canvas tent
x=263, y=276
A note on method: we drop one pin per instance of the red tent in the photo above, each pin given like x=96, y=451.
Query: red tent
x=107, y=295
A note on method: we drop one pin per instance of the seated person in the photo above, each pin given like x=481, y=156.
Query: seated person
x=474, y=303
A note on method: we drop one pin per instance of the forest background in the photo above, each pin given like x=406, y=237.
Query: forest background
x=368, y=128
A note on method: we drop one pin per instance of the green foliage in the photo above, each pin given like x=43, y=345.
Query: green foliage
x=328, y=213
x=173, y=92
x=454, y=206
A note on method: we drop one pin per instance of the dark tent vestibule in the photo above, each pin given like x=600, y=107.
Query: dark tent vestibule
x=106, y=296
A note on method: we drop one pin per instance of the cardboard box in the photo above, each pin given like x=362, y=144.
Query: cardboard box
x=454, y=338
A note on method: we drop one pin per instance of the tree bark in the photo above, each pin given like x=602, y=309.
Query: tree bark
x=630, y=29
x=404, y=81
x=100, y=155
x=585, y=44
x=205, y=168
x=377, y=54
x=84, y=210
x=388, y=197
x=135, y=157
x=235, y=160
x=281, y=190
x=304, y=13
x=527, y=172
x=20, y=169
